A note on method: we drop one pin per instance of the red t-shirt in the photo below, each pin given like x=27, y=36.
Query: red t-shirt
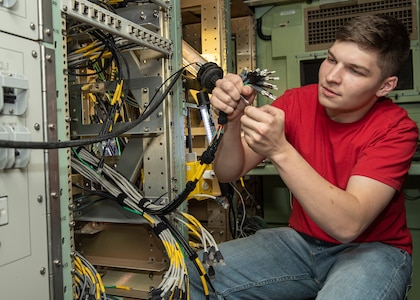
x=379, y=146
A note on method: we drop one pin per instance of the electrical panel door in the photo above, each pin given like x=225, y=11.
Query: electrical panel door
x=23, y=220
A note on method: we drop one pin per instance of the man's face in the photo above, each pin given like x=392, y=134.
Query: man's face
x=349, y=82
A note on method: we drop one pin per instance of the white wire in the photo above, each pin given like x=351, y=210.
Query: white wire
x=204, y=196
x=131, y=191
x=90, y=174
x=242, y=234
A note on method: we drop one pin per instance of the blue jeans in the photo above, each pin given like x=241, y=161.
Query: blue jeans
x=280, y=264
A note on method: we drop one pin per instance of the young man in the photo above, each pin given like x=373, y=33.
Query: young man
x=343, y=149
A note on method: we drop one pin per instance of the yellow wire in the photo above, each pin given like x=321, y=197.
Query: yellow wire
x=117, y=93
x=193, y=220
x=96, y=279
x=200, y=171
x=86, y=48
x=106, y=54
x=148, y=218
x=78, y=264
x=101, y=284
x=203, y=280
x=87, y=53
x=193, y=230
x=123, y=287
x=92, y=98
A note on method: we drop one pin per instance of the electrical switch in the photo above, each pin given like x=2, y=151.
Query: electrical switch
x=13, y=94
x=10, y=157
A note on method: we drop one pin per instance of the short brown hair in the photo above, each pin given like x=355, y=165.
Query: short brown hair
x=383, y=34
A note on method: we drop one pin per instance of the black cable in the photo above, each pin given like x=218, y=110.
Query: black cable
x=260, y=34
x=187, y=248
x=77, y=143
x=93, y=192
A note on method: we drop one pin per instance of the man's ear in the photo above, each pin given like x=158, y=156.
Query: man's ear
x=387, y=86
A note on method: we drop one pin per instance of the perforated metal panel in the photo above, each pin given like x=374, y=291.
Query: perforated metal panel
x=322, y=23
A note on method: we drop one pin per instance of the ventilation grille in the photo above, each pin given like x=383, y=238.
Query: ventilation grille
x=322, y=23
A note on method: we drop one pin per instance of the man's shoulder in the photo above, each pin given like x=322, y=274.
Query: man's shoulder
x=390, y=110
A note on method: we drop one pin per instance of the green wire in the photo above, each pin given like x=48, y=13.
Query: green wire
x=81, y=160
x=133, y=211
x=117, y=141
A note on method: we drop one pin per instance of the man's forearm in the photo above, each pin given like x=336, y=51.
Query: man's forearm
x=229, y=158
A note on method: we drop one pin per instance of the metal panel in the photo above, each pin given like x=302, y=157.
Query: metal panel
x=321, y=24
x=243, y=29
x=128, y=31
x=23, y=240
x=21, y=19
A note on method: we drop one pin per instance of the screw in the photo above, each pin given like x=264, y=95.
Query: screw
x=34, y=54
x=37, y=126
x=39, y=198
x=32, y=26
x=57, y=263
x=42, y=271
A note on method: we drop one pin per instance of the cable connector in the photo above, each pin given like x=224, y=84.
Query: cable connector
x=222, y=202
x=258, y=80
x=219, y=258
x=210, y=272
x=154, y=294
x=206, y=260
x=176, y=294
x=212, y=253
x=222, y=119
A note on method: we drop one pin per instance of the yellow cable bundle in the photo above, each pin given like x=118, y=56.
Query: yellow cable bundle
x=84, y=268
x=203, y=280
x=193, y=220
x=89, y=52
x=106, y=54
x=86, y=48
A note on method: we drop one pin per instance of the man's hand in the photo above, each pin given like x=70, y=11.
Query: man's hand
x=264, y=129
x=228, y=95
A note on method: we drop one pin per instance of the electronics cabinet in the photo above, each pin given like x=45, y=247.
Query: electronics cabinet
x=46, y=100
